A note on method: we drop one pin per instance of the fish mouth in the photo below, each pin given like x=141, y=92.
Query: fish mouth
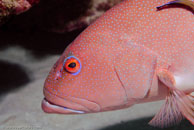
x=49, y=107
x=67, y=105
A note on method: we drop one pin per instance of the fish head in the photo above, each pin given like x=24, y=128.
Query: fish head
x=84, y=80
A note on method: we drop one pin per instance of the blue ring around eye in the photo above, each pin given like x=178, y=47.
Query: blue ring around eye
x=77, y=60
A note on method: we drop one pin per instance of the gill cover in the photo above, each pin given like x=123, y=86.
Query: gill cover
x=136, y=68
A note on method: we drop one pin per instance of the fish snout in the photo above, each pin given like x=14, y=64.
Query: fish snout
x=67, y=105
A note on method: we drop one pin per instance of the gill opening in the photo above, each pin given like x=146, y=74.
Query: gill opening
x=123, y=86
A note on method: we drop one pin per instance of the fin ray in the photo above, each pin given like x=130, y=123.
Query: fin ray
x=168, y=115
x=177, y=105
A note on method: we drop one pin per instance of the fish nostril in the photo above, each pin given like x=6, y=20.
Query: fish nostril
x=58, y=75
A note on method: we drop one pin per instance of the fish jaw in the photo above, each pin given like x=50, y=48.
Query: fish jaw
x=67, y=105
x=48, y=107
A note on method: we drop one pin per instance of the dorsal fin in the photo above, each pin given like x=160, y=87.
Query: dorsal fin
x=182, y=3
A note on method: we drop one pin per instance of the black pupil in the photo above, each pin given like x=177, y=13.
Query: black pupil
x=72, y=65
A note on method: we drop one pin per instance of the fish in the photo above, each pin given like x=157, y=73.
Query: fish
x=138, y=51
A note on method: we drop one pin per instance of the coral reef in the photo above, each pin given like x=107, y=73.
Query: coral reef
x=60, y=16
x=10, y=7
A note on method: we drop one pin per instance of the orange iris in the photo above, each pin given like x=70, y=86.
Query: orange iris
x=72, y=65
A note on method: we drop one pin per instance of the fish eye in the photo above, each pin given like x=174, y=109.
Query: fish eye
x=72, y=65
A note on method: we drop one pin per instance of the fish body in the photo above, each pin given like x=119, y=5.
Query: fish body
x=133, y=53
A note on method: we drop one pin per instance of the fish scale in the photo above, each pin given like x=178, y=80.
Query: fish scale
x=136, y=52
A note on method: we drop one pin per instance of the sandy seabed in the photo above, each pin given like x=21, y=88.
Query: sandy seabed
x=21, y=94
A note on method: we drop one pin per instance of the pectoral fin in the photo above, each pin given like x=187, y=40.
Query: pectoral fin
x=177, y=104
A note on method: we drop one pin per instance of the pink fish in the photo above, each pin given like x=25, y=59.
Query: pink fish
x=138, y=51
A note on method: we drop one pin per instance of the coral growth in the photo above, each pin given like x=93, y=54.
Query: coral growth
x=10, y=7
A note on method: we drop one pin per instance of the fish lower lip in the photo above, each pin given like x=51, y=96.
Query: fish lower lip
x=49, y=107
x=67, y=104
